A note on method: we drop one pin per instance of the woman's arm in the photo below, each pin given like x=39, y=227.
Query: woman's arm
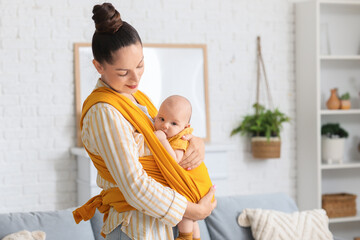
x=194, y=154
x=203, y=208
x=113, y=140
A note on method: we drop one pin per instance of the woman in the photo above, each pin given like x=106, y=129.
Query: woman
x=135, y=206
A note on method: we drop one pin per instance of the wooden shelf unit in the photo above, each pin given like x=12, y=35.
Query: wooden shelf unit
x=327, y=56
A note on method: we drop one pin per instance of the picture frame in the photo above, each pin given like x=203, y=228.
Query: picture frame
x=170, y=69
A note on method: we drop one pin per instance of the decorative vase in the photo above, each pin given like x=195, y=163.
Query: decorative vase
x=262, y=148
x=332, y=150
x=334, y=101
x=345, y=104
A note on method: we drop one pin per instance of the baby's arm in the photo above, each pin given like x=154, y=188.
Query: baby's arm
x=176, y=154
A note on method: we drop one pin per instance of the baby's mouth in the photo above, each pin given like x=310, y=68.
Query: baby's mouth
x=165, y=134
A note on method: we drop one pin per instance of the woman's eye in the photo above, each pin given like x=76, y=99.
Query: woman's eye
x=123, y=74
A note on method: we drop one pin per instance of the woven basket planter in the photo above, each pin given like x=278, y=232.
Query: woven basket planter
x=262, y=148
x=339, y=205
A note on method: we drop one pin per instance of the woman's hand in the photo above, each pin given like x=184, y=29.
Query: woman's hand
x=194, y=154
x=203, y=208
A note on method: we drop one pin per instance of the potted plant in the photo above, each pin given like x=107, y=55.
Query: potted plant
x=332, y=143
x=264, y=128
x=345, y=101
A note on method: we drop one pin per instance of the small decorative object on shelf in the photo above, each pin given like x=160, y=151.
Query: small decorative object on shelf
x=332, y=143
x=334, y=101
x=339, y=204
x=345, y=101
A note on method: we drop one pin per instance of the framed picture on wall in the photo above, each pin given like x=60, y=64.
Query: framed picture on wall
x=170, y=69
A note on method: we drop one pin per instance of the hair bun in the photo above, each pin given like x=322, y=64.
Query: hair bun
x=107, y=19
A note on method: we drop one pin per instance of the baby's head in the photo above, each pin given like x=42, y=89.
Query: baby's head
x=174, y=115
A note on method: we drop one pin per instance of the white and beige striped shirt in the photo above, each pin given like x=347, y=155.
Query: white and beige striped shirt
x=108, y=134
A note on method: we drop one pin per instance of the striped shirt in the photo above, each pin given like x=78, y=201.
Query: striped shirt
x=107, y=133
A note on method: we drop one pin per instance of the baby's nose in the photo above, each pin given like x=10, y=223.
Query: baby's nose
x=165, y=126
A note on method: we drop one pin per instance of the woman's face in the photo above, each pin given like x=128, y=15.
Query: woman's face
x=124, y=74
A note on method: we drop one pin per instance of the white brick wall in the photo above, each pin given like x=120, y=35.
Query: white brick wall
x=37, y=118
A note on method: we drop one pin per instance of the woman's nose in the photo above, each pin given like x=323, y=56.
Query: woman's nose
x=135, y=77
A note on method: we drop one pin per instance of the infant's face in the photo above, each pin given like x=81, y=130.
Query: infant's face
x=171, y=120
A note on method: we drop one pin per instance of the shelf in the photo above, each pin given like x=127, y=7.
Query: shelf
x=355, y=218
x=346, y=165
x=341, y=2
x=340, y=57
x=340, y=112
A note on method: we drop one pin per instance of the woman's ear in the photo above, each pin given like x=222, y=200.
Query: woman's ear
x=98, y=66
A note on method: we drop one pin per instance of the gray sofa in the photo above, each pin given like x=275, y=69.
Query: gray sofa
x=221, y=224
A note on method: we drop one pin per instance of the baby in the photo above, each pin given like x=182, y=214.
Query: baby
x=171, y=123
x=173, y=117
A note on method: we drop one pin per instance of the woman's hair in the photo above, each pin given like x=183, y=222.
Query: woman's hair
x=111, y=33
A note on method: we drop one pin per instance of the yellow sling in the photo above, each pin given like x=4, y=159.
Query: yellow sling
x=159, y=165
x=177, y=143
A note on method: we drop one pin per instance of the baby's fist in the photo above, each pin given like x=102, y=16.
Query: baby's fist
x=160, y=135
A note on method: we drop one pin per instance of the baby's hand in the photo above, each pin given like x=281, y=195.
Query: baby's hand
x=160, y=135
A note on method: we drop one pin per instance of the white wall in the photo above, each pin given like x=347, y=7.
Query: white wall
x=37, y=120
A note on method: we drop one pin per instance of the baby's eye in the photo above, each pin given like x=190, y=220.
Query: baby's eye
x=173, y=123
x=162, y=119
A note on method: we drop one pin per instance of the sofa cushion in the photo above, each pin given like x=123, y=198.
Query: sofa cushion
x=222, y=223
x=271, y=224
x=58, y=225
x=24, y=235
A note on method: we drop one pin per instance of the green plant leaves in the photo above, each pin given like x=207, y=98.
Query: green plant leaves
x=345, y=96
x=263, y=123
x=333, y=130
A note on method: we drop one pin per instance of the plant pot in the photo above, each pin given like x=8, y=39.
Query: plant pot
x=262, y=148
x=345, y=104
x=332, y=150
